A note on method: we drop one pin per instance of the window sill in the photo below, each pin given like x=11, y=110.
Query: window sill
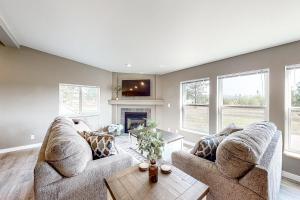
x=194, y=132
x=292, y=154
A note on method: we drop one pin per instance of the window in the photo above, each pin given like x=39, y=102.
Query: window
x=78, y=100
x=293, y=109
x=243, y=98
x=195, y=105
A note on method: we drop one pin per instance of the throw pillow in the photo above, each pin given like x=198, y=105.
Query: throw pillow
x=207, y=146
x=101, y=145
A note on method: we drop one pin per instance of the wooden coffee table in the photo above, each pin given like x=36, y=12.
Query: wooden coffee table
x=131, y=184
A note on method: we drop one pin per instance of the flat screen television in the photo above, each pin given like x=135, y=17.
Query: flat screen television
x=135, y=88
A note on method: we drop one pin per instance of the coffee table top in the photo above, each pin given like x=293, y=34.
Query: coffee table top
x=167, y=136
x=131, y=184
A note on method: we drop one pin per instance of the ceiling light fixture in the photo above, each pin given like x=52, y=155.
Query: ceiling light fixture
x=128, y=65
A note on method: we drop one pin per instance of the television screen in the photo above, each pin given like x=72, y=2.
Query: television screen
x=135, y=88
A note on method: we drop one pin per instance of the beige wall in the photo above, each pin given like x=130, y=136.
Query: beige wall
x=29, y=83
x=274, y=58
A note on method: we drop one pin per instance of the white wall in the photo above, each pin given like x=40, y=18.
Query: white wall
x=274, y=58
x=29, y=99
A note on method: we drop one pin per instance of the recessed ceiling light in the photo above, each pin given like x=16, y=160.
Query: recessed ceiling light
x=128, y=65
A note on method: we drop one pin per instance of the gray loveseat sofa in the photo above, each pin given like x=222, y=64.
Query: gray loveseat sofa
x=65, y=169
x=247, y=167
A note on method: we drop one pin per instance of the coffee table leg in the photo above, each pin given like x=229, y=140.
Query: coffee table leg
x=109, y=197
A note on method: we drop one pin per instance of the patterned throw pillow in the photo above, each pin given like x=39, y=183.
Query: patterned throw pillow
x=207, y=146
x=101, y=145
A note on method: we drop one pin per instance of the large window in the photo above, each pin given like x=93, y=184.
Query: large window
x=293, y=109
x=243, y=98
x=75, y=100
x=195, y=105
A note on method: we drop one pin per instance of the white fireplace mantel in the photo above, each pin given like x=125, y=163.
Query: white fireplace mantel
x=157, y=102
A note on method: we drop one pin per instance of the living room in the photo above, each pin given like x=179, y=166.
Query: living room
x=149, y=100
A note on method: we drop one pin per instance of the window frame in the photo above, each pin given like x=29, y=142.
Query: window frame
x=80, y=114
x=288, y=111
x=220, y=106
x=202, y=105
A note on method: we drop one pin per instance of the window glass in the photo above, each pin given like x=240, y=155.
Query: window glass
x=195, y=105
x=78, y=100
x=243, y=98
x=69, y=99
x=247, y=90
x=89, y=99
x=293, y=109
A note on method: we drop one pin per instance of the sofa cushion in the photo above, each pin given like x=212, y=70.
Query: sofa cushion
x=80, y=125
x=102, y=145
x=240, y=152
x=207, y=146
x=66, y=151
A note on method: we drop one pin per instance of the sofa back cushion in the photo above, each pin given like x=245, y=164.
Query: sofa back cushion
x=80, y=125
x=66, y=150
x=240, y=152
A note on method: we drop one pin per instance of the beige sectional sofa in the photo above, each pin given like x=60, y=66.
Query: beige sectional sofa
x=248, y=165
x=65, y=169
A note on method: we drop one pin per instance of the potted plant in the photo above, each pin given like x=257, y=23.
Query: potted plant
x=150, y=141
x=116, y=90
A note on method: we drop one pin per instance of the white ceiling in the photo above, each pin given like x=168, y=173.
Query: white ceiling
x=154, y=36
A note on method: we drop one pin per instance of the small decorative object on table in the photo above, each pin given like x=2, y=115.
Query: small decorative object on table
x=150, y=141
x=165, y=169
x=115, y=129
x=153, y=172
x=143, y=166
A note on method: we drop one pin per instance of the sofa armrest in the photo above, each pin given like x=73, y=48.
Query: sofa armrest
x=195, y=166
x=112, y=163
x=44, y=174
x=90, y=183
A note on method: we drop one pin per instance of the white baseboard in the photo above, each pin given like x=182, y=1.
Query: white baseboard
x=291, y=176
x=20, y=148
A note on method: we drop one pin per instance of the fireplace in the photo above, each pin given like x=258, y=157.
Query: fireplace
x=134, y=119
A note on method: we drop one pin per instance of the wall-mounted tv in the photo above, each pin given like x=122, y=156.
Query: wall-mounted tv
x=135, y=88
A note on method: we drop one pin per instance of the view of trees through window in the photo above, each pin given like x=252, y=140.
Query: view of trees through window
x=76, y=100
x=195, y=105
x=293, y=99
x=242, y=99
